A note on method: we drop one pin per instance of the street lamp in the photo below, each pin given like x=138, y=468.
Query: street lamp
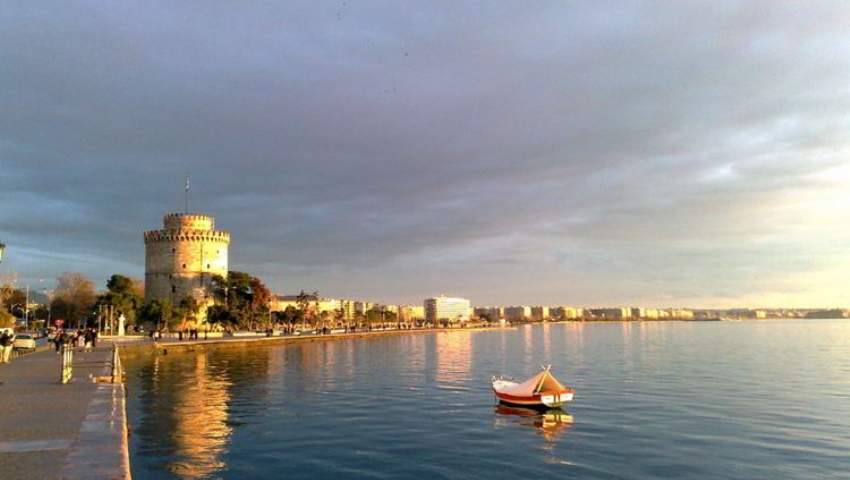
x=2, y=247
x=27, y=310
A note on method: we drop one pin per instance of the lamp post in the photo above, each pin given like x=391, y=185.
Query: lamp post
x=2, y=247
x=27, y=310
x=47, y=299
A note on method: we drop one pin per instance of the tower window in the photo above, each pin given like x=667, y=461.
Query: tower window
x=173, y=250
x=174, y=289
x=184, y=266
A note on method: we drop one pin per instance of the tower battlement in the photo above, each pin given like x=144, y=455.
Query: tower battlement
x=195, y=221
x=184, y=235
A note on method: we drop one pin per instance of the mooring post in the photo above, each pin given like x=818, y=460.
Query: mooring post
x=67, y=361
x=117, y=375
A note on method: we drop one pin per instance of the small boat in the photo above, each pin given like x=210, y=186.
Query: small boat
x=541, y=390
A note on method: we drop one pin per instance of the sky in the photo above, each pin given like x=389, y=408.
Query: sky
x=586, y=153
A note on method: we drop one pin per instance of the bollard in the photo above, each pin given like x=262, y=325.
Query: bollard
x=67, y=360
x=116, y=365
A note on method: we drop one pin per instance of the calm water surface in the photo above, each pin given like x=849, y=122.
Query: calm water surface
x=684, y=400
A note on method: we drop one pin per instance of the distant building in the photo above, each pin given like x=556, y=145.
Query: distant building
x=518, y=313
x=539, y=314
x=493, y=313
x=681, y=314
x=565, y=313
x=617, y=313
x=315, y=305
x=411, y=313
x=449, y=309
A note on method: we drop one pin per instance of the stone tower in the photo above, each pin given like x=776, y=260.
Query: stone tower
x=182, y=258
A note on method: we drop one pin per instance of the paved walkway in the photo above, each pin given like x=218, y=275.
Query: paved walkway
x=50, y=430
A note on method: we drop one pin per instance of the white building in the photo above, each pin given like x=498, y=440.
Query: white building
x=446, y=309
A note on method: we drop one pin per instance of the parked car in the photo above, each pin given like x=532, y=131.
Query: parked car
x=24, y=341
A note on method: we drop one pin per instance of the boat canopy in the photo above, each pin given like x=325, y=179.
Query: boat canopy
x=542, y=382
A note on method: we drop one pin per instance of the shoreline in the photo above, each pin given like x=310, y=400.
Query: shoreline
x=141, y=342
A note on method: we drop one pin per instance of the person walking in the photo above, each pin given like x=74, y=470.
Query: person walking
x=65, y=340
x=87, y=339
x=6, y=341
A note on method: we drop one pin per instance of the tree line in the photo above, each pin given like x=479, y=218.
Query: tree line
x=239, y=301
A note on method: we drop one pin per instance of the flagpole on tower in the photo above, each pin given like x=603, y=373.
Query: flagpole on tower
x=187, y=195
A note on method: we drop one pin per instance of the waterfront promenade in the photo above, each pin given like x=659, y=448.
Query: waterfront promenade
x=79, y=430
x=50, y=430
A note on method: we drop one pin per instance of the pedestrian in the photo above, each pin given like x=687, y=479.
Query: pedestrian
x=94, y=338
x=6, y=344
x=57, y=340
x=65, y=340
x=87, y=340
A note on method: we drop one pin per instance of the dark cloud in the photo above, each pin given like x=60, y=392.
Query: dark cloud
x=532, y=152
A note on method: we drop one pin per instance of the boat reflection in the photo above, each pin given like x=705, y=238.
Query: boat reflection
x=549, y=423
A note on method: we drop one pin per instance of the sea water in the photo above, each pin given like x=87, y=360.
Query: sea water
x=683, y=400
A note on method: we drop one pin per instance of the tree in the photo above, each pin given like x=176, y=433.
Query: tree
x=220, y=315
x=123, y=296
x=157, y=312
x=339, y=316
x=6, y=319
x=189, y=308
x=16, y=301
x=239, y=298
x=303, y=302
x=7, y=289
x=73, y=298
x=260, y=299
x=290, y=315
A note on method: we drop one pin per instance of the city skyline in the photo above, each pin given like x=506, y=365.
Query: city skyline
x=688, y=155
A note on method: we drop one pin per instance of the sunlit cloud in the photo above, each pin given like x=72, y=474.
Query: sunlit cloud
x=551, y=153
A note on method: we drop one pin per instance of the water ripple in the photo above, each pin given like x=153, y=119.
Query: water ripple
x=709, y=401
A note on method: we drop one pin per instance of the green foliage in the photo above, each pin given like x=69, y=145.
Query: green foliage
x=290, y=315
x=241, y=300
x=123, y=297
x=157, y=312
x=221, y=315
x=306, y=311
x=380, y=314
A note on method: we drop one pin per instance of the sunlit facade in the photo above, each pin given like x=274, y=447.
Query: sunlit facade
x=451, y=309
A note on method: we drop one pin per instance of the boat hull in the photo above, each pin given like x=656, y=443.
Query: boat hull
x=543, y=399
x=541, y=390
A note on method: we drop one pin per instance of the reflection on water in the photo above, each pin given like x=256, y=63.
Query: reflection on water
x=189, y=399
x=453, y=352
x=200, y=431
x=549, y=423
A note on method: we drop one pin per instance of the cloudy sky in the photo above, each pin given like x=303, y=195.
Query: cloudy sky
x=588, y=153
